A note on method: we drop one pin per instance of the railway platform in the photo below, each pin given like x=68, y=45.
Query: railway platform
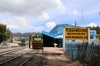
x=52, y=50
x=56, y=57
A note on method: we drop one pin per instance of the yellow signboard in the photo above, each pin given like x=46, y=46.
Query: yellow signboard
x=76, y=33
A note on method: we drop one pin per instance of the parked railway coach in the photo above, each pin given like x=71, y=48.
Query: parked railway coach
x=37, y=42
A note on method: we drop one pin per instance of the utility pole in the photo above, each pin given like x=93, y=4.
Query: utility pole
x=75, y=24
x=99, y=13
x=99, y=7
x=82, y=14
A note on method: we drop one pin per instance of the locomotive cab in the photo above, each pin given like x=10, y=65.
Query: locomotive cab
x=37, y=42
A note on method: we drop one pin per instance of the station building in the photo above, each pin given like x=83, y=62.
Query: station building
x=56, y=35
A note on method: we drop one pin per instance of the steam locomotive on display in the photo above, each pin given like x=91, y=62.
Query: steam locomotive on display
x=36, y=41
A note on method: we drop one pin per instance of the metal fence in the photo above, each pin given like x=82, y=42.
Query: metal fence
x=84, y=52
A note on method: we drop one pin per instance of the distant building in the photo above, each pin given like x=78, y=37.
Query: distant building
x=19, y=38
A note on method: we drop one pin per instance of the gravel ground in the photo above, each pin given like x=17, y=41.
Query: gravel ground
x=39, y=59
x=13, y=55
x=36, y=61
x=17, y=62
x=61, y=60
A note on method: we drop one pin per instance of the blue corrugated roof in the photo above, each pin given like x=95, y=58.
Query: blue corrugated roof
x=48, y=34
x=51, y=35
x=67, y=25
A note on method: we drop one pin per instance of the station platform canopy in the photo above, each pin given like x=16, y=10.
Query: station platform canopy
x=52, y=35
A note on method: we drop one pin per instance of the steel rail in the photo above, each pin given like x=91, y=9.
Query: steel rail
x=10, y=51
x=13, y=58
x=9, y=60
x=28, y=59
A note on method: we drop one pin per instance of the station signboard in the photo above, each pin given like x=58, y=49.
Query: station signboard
x=76, y=33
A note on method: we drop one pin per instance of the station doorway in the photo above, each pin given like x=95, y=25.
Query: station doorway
x=59, y=41
x=49, y=41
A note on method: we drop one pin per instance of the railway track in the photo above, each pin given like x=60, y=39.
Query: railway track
x=23, y=59
x=22, y=64
x=10, y=51
x=7, y=49
x=10, y=54
x=36, y=60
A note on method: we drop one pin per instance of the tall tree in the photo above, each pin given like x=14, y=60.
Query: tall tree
x=2, y=32
x=97, y=28
x=98, y=36
x=8, y=33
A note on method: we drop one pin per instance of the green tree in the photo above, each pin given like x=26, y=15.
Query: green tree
x=2, y=32
x=8, y=34
x=98, y=36
x=97, y=28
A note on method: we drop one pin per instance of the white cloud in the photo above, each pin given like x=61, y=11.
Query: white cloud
x=44, y=16
x=30, y=7
x=51, y=24
x=13, y=26
x=10, y=24
x=90, y=7
x=38, y=28
x=73, y=24
x=75, y=12
x=60, y=6
x=23, y=23
x=92, y=24
x=18, y=23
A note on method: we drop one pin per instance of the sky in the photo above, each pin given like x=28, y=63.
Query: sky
x=42, y=15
